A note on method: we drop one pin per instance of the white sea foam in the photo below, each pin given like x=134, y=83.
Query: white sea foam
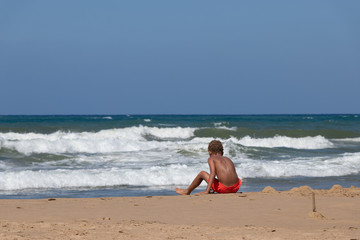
x=227, y=128
x=345, y=164
x=348, y=140
x=220, y=125
x=63, y=178
x=318, y=142
x=140, y=138
x=105, y=141
x=169, y=133
x=147, y=120
x=176, y=174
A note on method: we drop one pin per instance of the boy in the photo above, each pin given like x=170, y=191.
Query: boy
x=223, y=168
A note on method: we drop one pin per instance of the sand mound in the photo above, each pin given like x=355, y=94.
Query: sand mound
x=303, y=190
x=306, y=190
x=336, y=189
x=348, y=192
x=354, y=190
x=269, y=189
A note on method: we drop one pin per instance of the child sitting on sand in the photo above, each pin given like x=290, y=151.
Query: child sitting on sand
x=222, y=178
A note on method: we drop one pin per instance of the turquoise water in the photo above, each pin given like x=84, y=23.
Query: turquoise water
x=139, y=155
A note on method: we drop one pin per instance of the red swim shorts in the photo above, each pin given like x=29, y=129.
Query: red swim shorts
x=220, y=188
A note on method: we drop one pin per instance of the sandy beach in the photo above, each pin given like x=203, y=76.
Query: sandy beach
x=260, y=215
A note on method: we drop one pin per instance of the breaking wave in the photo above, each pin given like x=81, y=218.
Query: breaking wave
x=317, y=142
x=175, y=174
x=106, y=141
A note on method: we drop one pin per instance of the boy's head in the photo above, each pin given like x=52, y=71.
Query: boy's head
x=215, y=146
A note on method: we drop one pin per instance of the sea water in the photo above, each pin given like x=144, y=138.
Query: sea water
x=140, y=155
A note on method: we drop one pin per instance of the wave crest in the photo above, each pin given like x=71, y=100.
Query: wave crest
x=318, y=142
x=105, y=141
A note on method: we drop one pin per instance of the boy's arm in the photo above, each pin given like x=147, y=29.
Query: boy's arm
x=212, y=174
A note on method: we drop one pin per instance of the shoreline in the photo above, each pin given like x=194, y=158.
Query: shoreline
x=268, y=214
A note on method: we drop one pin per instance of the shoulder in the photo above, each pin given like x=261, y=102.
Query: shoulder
x=212, y=160
x=215, y=158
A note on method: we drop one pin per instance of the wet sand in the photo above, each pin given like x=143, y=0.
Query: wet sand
x=262, y=215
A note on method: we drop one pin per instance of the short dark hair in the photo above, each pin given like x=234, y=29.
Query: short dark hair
x=215, y=146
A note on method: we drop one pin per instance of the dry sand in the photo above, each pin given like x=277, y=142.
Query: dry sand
x=264, y=215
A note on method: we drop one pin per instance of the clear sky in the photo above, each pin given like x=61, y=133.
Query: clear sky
x=179, y=57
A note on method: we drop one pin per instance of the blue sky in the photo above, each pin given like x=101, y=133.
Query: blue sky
x=179, y=57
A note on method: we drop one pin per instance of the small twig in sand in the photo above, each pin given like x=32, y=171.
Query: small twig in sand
x=313, y=202
x=315, y=214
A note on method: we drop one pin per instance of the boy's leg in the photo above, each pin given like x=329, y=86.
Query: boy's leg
x=195, y=183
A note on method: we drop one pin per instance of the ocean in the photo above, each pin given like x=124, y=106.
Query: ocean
x=142, y=155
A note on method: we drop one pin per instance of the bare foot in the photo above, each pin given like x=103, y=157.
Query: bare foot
x=181, y=191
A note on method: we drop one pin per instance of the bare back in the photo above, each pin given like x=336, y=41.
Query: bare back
x=225, y=170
